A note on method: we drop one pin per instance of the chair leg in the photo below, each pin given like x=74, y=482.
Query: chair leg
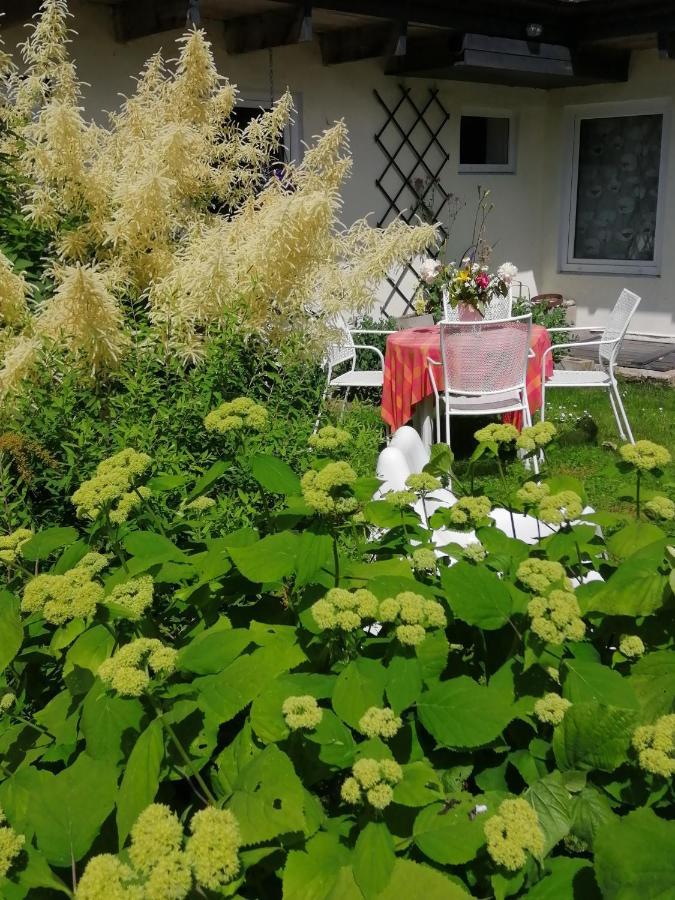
x=617, y=418
x=622, y=410
x=321, y=405
x=542, y=411
x=447, y=424
x=527, y=421
x=344, y=404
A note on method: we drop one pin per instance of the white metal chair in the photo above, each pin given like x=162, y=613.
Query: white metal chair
x=608, y=346
x=344, y=351
x=484, y=369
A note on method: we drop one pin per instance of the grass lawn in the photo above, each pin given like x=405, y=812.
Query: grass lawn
x=586, y=442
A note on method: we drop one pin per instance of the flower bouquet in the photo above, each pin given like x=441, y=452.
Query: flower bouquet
x=468, y=284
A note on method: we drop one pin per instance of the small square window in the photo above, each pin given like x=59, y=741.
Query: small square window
x=485, y=144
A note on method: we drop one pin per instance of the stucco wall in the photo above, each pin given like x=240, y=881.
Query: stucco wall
x=524, y=225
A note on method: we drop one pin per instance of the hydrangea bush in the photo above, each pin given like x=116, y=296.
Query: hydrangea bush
x=323, y=706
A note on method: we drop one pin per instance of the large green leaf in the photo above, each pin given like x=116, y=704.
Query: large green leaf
x=451, y=833
x=44, y=543
x=274, y=475
x=29, y=877
x=476, y=595
x=312, y=873
x=315, y=552
x=109, y=723
x=594, y=736
x=590, y=811
x=404, y=682
x=410, y=879
x=140, y=780
x=553, y=804
x=636, y=588
x=269, y=559
x=653, y=680
x=208, y=478
x=566, y=879
x=335, y=741
x=69, y=809
x=374, y=859
x=359, y=686
x=462, y=713
x=11, y=629
x=152, y=547
x=268, y=798
x=634, y=858
x=419, y=786
x=633, y=537
x=587, y=681
x=214, y=649
x=84, y=657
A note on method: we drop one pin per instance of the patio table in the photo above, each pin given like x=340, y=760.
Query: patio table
x=408, y=393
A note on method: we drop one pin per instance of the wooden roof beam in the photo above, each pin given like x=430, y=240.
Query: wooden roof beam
x=274, y=28
x=134, y=19
x=353, y=44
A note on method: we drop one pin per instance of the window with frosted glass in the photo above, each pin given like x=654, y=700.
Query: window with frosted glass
x=619, y=159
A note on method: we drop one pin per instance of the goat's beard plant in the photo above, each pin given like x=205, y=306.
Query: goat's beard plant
x=172, y=209
x=188, y=714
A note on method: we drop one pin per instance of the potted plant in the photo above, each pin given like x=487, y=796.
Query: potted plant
x=468, y=287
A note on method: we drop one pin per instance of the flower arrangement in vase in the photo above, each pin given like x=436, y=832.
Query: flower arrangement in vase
x=468, y=285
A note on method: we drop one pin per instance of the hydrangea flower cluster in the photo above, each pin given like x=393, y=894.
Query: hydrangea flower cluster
x=127, y=671
x=329, y=438
x=236, y=415
x=328, y=491
x=160, y=868
x=557, y=617
x=376, y=722
x=413, y=615
x=531, y=493
x=645, y=455
x=7, y=701
x=424, y=560
x=422, y=483
x=469, y=512
x=73, y=595
x=11, y=845
x=496, y=433
x=558, y=508
x=534, y=437
x=541, y=574
x=660, y=508
x=11, y=544
x=372, y=780
x=301, y=712
x=113, y=482
x=344, y=610
x=631, y=646
x=134, y=595
x=656, y=746
x=551, y=709
x=475, y=552
x=201, y=504
x=512, y=833
x=400, y=499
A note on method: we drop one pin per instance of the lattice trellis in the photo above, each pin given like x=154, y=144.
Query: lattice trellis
x=410, y=182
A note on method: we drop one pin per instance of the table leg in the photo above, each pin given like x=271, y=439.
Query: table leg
x=423, y=420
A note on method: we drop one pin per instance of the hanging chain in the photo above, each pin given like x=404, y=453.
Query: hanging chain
x=271, y=74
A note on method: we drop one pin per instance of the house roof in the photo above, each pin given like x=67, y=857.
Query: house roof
x=534, y=43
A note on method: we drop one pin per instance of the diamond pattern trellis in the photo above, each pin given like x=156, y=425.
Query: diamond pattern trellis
x=410, y=139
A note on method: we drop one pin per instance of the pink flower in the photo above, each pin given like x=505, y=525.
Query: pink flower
x=482, y=281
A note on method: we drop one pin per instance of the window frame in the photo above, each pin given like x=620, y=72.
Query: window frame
x=573, y=116
x=293, y=130
x=508, y=168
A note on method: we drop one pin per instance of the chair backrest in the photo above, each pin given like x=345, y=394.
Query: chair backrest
x=486, y=357
x=499, y=307
x=617, y=325
x=342, y=349
x=408, y=441
x=392, y=469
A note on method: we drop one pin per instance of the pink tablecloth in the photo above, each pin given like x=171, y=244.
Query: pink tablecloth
x=406, y=375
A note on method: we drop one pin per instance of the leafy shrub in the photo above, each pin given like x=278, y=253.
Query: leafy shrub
x=260, y=714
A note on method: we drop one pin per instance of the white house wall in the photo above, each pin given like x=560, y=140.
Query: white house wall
x=524, y=225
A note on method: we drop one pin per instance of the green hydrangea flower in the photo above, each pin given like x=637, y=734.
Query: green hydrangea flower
x=631, y=646
x=374, y=780
x=469, y=512
x=656, y=746
x=376, y=722
x=328, y=492
x=201, y=504
x=534, y=437
x=400, y=499
x=301, y=712
x=134, y=595
x=329, y=438
x=11, y=544
x=213, y=848
x=237, y=415
x=113, y=483
x=562, y=507
x=645, y=455
x=107, y=876
x=422, y=483
x=496, y=433
x=344, y=610
x=475, y=552
x=11, y=845
x=556, y=617
x=540, y=574
x=424, y=560
x=60, y=598
x=513, y=833
x=551, y=709
x=531, y=493
x=660, y=508
x=128, y=671
x=156, y=832
x=7, y=701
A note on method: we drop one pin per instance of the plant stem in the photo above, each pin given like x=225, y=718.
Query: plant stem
x=637, y=493
x=506, y=494
x=114, y=543
x=183, y=754
x=336, y=561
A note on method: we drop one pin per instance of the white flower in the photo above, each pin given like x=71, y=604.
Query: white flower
x=429, y=270
x=507, y=272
